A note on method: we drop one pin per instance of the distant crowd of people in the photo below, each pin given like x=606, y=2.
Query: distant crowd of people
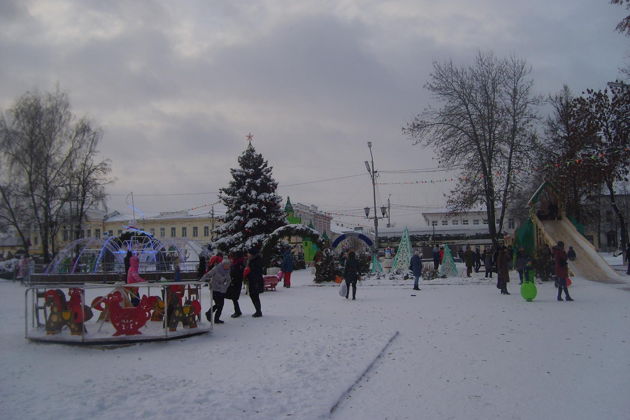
x=547, y=263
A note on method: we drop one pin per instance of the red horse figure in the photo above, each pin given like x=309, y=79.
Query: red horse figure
x=71, y=313
x=126, y=321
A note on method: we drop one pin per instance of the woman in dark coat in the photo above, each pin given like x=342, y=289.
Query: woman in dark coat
x=201, y=268
x=236, y=284
x=255, y=279
x=503, y=272
x=488, y=262
x=351, y=274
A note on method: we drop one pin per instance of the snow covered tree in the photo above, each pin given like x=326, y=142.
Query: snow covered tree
x=325, y=266
x=253, y=207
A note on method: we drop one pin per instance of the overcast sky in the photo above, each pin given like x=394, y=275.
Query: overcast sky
x=177, y=85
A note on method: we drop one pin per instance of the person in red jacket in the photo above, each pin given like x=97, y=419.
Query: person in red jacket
x=562, y=271
x=215, y=260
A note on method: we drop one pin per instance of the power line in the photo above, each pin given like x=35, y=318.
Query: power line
x=320, y=180
x=164, y=194
x=420, y=170
x=399, y=171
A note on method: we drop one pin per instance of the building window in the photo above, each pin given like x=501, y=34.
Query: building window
x=89, y=233
x=35, y=240
x=152, y=231
x=475, y=221
x=444, y=222
x=110, y=233
x=510, y=223
x=184, y=231
x=65, y=234
x=485, y=221
x=465, y=222
x=162, y=232
x=119, y=232
x=206, y=231
x=173, y=232
x=456, y=222
x=434, y=223
x=195, y=231
x=97, y=233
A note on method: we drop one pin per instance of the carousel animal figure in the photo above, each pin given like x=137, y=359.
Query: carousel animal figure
x=158, y=310
x=186, y=313
x=66, y=313
x=126, y=320
x=56, y=302
x=192, y=310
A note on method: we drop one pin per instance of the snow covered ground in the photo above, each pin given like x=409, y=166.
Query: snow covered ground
x=457, y=349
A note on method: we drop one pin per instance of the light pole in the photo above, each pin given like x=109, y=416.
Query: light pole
x=389, y=212
x=372, y=172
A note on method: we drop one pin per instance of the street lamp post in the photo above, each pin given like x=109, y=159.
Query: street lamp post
x=384, y=209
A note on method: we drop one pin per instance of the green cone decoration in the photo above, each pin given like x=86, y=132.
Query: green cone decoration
x=448, y=267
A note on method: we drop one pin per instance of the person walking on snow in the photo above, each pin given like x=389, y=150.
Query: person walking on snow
x=219, y=279
x=287, y=266
x=487, y=262
x=351, y=274
x=255, y=279
x=236, y=284
x=503, y=270
x=521, y=261
x=469, y=259
x=477, y=259
x=436, y=257
x=562, y=271
x=416, y=266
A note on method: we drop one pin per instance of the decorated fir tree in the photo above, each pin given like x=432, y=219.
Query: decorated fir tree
x=404, y=254
x=325, y=266
x=448, y=268
x=253, y=207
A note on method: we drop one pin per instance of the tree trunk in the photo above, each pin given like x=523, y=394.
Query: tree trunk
x=619, y=213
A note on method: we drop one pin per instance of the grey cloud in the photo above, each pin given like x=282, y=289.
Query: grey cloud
x=313, y=88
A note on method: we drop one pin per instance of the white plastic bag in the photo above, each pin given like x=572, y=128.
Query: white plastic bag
x=343, y=289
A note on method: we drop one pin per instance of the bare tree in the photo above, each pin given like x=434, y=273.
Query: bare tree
x=607, y=113
x=15, y=215
x=564, y=141
x=624, y=25
x=486, y=125
x=86, y=176
x=40, y=142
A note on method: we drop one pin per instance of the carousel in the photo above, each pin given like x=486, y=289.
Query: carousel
x=86, y=297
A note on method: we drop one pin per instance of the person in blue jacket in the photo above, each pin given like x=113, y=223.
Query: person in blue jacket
x=287, y=266
x=415, y=265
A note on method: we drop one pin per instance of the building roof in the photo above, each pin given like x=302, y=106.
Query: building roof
x=10, y=241
x=166, y=215
x=424, y=230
